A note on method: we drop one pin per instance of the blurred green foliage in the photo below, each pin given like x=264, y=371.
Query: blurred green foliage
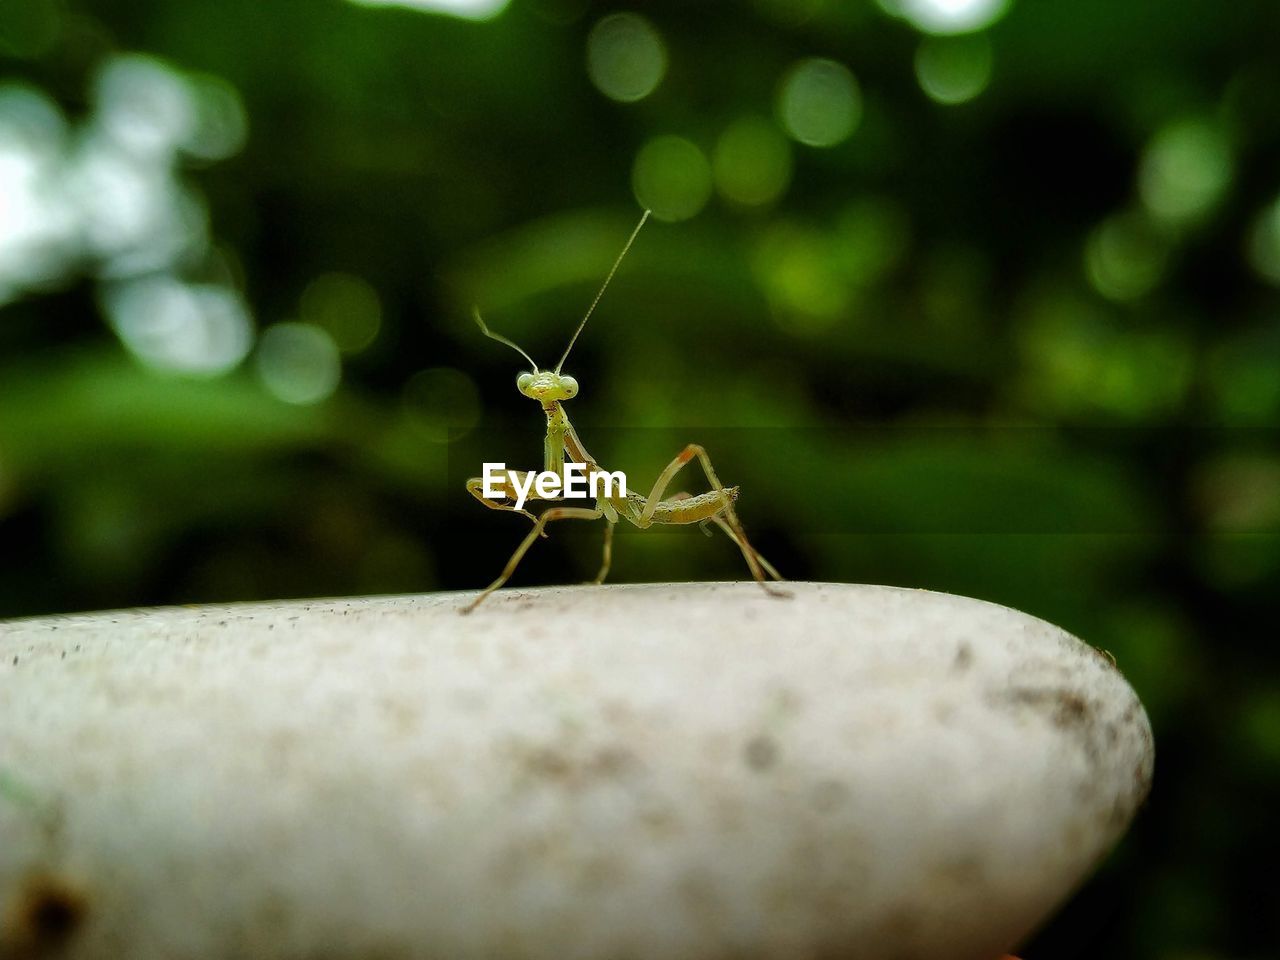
x=973, y=296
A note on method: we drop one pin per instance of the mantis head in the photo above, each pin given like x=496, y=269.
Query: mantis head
x=548, y=386
x=545, y=386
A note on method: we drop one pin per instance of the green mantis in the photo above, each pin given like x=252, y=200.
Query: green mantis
x=552, y=389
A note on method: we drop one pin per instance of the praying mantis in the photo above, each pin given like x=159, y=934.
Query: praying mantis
x=551, y=389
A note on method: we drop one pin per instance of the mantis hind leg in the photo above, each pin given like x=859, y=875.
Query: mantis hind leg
x=730, y=516
x=728, y=531
x=554, y=513
x=607, y=555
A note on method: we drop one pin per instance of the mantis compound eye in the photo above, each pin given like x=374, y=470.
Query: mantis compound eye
x=523, y=381
x=570, y=386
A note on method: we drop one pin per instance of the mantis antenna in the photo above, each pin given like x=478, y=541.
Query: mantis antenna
x=475, y=312
x=604, y=286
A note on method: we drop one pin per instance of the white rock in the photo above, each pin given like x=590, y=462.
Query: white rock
x=662, y=772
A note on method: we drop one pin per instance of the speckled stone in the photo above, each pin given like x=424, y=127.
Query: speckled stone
x=660, y=772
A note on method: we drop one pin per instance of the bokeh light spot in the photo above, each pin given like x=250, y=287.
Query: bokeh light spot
x=221, y=125
x=1185, y=170
x=443, y=403
x=626, y=57
x=1240, y=493
x=134, y=217
x=107, y=197
x=953, y=70
x=820, y=102
x=1263, y=246
x=465, y=9
x=947, y=16
x=752, y=162
x=37, y=223
x=1079, y=359
x=298, y=362
x=28, y=116
x=1125, y=257
x=672, y=178
x=196, y=330
x=144, y=105
x=793, y=264
x=871, y=237
x=346, y=307
x=815, y=278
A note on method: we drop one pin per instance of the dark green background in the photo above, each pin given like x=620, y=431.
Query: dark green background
x=904, y=360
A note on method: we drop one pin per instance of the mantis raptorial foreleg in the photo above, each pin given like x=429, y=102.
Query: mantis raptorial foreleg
x=554, y=513
x=739, y=536
x=475, y=487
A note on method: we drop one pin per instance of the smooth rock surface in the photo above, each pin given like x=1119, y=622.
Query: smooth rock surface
x=659, y=772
